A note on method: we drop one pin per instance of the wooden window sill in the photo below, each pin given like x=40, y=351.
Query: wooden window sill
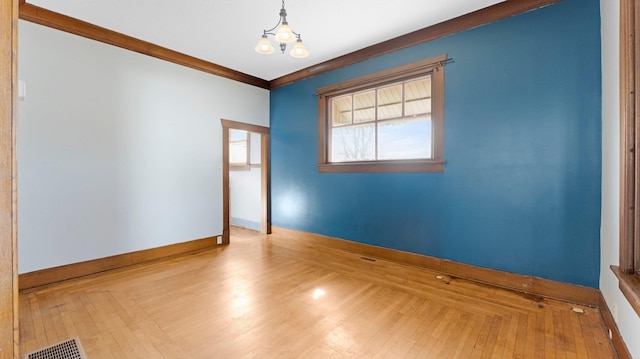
x=391, y=166
x=630, y=286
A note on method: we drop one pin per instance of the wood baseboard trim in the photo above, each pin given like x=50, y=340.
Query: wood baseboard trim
x=517, y=282
x=81, y=269
x=616, y=339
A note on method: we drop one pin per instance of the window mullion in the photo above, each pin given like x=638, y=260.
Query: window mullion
x=353, y=109
x=404, y=100
x=375, y=124
x=248, y=149
x=353, y=115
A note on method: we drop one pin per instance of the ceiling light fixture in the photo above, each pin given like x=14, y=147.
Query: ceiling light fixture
x=283, y=36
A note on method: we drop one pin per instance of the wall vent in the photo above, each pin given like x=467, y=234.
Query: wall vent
x=70, y=349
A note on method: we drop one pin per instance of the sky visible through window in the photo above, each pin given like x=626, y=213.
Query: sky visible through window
x=397, y=140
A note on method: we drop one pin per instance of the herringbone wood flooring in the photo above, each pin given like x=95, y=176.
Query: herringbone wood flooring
x=272, y=297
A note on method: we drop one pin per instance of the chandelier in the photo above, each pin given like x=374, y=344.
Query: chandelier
x=283, y=35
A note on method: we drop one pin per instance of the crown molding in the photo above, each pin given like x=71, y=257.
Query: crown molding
x=461, y=23
x=74, y=26
x=38, y=15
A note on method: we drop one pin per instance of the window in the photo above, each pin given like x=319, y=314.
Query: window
x=628, y=272
x=386, y=122
x=239, y=148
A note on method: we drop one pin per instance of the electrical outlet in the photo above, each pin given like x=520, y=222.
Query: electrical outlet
x=219, y=239
x=22, y=90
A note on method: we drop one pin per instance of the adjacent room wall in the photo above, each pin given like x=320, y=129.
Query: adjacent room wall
x=118, y=151
x=245, y=197
x=521, y=186
x=625, y=317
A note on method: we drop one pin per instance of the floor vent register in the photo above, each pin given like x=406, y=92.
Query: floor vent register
x=70, y=349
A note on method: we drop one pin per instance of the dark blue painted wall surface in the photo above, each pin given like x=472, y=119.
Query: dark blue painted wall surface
x=521, y=187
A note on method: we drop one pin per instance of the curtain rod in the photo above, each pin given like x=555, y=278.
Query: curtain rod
x=435, y=65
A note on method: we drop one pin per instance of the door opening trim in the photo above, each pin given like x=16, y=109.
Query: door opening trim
x=265, y=171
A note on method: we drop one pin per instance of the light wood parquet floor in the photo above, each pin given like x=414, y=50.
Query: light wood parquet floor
x=272, y=297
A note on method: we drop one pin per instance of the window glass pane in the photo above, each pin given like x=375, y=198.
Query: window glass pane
x=390, y=102
x=418, y=89
x=237, y=146
x=237, y=135
x=353, y=143
x=404, y=139
x=365, y=107
x=418, y=97
x=417, y=107
x=238, y=152
x=255, y=148
x=341, y=111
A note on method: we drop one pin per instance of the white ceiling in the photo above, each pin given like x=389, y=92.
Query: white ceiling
x=225, y=32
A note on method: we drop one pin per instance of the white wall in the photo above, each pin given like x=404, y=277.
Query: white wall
x=245, y=191
x=245, y=198
x=626, y=318
x=118, y=151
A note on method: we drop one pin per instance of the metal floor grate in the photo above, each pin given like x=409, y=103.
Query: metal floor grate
x=70, y=349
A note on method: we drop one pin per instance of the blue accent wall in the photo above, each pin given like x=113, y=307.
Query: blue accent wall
x=521, y=186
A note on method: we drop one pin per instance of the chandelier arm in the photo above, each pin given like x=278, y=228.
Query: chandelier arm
x=270, y=31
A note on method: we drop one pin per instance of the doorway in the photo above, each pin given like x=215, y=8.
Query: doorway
x=237, y=135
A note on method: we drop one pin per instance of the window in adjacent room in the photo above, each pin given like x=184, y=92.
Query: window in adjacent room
x=628, y=270
x=239, y=148
x=386, y=122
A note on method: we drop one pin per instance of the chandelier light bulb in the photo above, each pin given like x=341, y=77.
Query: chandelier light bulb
x=299, y=51
x=264, y=46
x=285, y=34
